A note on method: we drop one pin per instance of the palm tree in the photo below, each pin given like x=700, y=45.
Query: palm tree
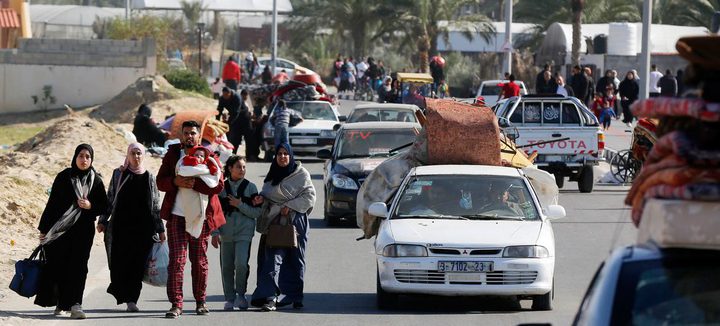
x=577, y=10
x=192, y=10
x=684, y=12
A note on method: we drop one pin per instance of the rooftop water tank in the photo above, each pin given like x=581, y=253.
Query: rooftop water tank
x=622, y=39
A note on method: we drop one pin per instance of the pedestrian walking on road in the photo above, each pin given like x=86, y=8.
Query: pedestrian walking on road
x=235, y=237
x=67, y=229
x=629, y=92
x=562, y=88
x=654, y=78
x=591, y=86
x=130, y=223
x=178, y=238
x=579, y=83
x=540, y=78
x=287, y=194
x=547, y=85
x=231, y=74
x=668, y=85
x=282, y=121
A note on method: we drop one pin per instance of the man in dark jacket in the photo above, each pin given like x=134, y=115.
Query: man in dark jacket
x=547, y=84
x=238, y=118
x=603, y=82
x=145, y=130
x=668, y=85
x=579, y=83
x=540, y=78
x=178, y=238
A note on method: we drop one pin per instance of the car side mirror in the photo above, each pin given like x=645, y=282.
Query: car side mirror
x=378, y=209
x=336, y=127
x=342, y=118
x=555, y=212
x=512, y=133
x=324, y=153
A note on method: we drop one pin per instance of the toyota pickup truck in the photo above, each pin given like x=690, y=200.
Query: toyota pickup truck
x=560, y=130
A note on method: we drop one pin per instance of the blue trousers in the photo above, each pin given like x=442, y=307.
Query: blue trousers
x=281, y=135
x=282, y=272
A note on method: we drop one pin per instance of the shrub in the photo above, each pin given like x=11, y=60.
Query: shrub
x=188, y=80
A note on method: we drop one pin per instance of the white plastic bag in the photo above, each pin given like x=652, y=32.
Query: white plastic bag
x=156, y=270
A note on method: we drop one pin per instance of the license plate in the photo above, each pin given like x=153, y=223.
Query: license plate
x=467, y=277
x=465, y=266
x=304, y=141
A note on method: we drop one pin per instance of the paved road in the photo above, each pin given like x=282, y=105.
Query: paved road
x=340, y=281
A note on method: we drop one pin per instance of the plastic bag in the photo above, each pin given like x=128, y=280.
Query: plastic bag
x=156, y=269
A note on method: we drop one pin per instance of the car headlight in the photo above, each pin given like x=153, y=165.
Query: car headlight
x=327, y=133
x=402, y=250
x=526, y=252
x=344, y=182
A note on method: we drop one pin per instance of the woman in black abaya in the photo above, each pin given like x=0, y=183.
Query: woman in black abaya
x=67, y=228
x=131, y=221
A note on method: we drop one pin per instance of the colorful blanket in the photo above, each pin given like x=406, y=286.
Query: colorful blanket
x=677, y=107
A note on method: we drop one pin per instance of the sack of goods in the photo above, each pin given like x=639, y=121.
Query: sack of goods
x=676, y=197
x=27, y=274
x=156, y=273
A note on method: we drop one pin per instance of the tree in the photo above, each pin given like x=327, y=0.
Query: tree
x=684, y=12
x=192, y=10
x=577, y=10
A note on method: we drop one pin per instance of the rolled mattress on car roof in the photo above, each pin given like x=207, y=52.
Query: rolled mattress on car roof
x=672, y=223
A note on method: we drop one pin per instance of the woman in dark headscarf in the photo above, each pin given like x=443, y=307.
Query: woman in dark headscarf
x=134, y=213
x=67, y=228
x=288, y=193
x=145, y=130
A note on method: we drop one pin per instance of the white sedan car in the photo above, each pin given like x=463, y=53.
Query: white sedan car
x=465, y=230
x=290, y=67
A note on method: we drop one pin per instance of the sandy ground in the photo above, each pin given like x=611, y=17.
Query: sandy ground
x=27, y=173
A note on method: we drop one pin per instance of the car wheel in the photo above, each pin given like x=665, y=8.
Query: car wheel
x=544, y=302
x=329, y=221
x=385, y=300
x=559, y=180
x=586, y=179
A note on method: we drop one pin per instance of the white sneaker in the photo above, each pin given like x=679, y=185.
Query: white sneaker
x=229, y=305
x=58, y=312
x=132, y=307
x=241, y=302
x=76, y=312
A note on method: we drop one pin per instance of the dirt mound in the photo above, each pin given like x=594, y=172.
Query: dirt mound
x=29, y=171
x=156, y=92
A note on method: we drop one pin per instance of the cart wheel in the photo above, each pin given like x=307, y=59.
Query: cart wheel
x=624, y=167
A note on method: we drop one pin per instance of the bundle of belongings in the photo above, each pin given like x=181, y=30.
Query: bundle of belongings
x=453, y=133
x=213, y=131
x=676, y=197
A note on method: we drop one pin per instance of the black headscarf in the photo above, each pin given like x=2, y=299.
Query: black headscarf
x=144, y=110
x=278, y=173
x=75, y=169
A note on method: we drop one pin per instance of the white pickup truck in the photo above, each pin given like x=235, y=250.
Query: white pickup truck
x=563, y=133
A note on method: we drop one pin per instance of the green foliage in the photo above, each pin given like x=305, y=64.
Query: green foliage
x=161, y=29
x=46, y=99
x=188, y=80
x=462, y=72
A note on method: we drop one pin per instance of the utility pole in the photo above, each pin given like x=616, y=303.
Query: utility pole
x=645, y=55
x=508, y=36
x=127, y=9
x=274, y=36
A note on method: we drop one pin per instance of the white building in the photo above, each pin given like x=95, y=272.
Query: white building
x=458, y=42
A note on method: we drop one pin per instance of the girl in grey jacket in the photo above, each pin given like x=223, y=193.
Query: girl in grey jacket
x=235, y=237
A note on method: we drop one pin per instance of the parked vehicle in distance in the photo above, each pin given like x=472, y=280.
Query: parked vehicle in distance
x=647, y=285
x=315, y=132
x=383, y=112
x=564, y=134
x=462, y=230
x=290, y=67
x=490, y=90
x=358, y=149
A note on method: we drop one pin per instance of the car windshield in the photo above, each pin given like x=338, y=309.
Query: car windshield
x=365, y=143
x=313, y=111
x=475, y=197
x=684, y=291
x=372, y=114
x=492, y=90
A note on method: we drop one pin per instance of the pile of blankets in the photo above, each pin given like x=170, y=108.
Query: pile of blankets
x=676, y=168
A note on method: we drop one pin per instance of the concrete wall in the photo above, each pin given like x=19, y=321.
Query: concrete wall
x=81, y=72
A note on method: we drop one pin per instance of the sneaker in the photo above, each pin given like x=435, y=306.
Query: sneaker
x=58, y=312
x=76, y=312
x=270, y=306
x=241, y=303
x=202, y=309
x=174, y=312
x=229, y=305
x=132, y=307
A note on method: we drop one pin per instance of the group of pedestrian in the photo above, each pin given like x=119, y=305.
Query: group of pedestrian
x=349, y=75
x=228, y=212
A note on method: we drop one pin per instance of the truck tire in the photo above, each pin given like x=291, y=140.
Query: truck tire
x=559, y=180
x=586, y=179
